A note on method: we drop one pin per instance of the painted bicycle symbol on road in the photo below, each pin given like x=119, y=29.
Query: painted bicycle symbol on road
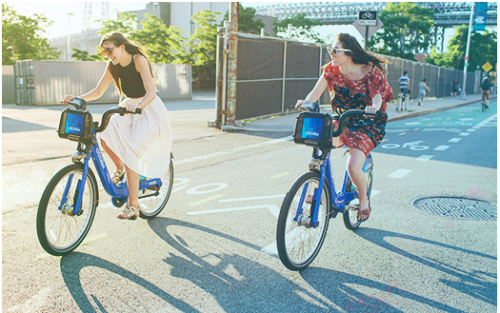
x=411, y=145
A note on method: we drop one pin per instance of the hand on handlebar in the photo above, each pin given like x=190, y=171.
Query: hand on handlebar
x=68, y=98
x=371, y=109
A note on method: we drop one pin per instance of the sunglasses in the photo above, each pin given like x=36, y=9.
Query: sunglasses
x=107, y=51
x=332, y=50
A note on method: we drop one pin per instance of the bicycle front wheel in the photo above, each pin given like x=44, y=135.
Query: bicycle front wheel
x=152, y=200
x=299, y=243
x=59, y=229
x=351, y=216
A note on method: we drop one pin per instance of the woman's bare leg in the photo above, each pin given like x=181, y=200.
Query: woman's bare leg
x=355, y=169
x=133, y=187
x=116, y=160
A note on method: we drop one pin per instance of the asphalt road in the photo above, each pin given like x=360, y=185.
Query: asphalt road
x=212, y=248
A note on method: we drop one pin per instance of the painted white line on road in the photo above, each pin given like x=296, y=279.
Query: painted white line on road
x=424, y=158
x=272, y=208
x=471, y=130
x=464, y=134
x=454, y=139
x=441, y=148
x=486, y=121
x=234, y=150
x=399, y=173
x=253, y=198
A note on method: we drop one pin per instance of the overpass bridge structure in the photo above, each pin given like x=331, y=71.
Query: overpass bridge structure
x=446, y=14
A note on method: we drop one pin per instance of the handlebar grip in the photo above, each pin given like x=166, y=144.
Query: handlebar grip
x=138, y=111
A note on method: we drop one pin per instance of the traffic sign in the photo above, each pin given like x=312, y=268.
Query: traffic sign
x=371, y=29
x=367, y=18
x=487, y=66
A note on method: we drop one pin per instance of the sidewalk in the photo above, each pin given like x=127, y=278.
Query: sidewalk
x=286, y=123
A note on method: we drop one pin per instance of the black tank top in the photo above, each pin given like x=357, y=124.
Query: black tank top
x=131, y=81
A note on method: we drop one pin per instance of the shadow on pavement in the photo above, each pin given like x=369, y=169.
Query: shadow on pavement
x=14, y=126
x=470, y=283
x=74, y=263
x=257, y=287
x=263, y=289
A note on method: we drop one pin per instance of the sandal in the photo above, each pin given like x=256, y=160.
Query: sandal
x=118, y=176
x=130, y=213
x=364, y=215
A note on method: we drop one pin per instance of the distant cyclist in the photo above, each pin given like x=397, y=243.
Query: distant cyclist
x=486, y=89
x=404, y=83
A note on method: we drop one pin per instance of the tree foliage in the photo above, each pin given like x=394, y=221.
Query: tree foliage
x=82, y=55
x=302, y=28
x=22, y=37
x=125, y=23
x=405, y=32
x=163, y=44
x=246, y=22
x=483, y=48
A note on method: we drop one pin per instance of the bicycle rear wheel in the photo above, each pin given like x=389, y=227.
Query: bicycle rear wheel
x=152, y=200
x=299, y=243
x=59, y=230
x=351, y=216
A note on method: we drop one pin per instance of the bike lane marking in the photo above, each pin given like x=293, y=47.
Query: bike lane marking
x=231, y=151
x=400, y=173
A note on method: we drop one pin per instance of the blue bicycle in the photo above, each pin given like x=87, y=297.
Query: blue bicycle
x=312, y=199
x=68, y=204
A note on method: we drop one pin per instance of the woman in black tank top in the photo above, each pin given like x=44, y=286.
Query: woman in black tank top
x=137, y=144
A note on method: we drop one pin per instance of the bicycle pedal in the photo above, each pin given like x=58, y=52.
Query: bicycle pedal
x=154, y=188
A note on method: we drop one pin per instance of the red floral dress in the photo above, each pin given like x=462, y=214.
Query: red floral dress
x=363, y=133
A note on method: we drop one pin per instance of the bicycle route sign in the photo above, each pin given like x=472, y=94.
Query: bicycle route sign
x=367, y=18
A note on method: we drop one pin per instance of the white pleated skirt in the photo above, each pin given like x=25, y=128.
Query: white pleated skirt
x=142, y=141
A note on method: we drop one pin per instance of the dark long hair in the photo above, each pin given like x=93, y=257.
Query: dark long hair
x=119, y=39
x=359, y=55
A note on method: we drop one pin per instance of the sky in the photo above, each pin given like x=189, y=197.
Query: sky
x=58, y=13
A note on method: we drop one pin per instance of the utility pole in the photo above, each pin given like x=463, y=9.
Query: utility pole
x=232, y=62
x=68, y=56
x=462, y=94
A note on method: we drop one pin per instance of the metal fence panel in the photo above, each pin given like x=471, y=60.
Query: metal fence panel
x=259, y=59
x=8, y=85
x=46, y=81
x=258, y=98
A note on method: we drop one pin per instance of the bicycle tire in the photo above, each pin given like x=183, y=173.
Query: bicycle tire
x=351, y=216
x=59, y=231
x=289, y=233
x=156, y=203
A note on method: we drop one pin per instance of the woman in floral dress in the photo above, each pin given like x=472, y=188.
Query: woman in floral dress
x=355, y=81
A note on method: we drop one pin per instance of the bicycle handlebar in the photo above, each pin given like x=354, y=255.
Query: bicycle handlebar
x=346, y=116
x=81, y=104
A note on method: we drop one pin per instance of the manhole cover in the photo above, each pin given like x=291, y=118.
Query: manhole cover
x=457, y=207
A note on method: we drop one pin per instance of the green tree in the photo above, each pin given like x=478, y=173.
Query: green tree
x=302, y=28
x=483, y=48
x=246, y=22
x=405, y=31
x=125, y=23
x=202, y=46
x=163, y=44
x=22, y=37
x=80, y=55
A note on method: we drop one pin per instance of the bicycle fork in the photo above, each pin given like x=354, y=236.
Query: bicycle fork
x=77, y=197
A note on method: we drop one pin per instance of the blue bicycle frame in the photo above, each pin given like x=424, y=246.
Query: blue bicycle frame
x=339, y=200
x=119, y=191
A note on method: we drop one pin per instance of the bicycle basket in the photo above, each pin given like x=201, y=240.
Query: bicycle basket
x=75, y=125
x=313, y=129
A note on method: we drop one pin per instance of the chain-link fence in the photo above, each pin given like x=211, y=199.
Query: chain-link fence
x=273, y=73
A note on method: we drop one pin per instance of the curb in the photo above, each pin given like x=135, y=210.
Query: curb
x=395, y=118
